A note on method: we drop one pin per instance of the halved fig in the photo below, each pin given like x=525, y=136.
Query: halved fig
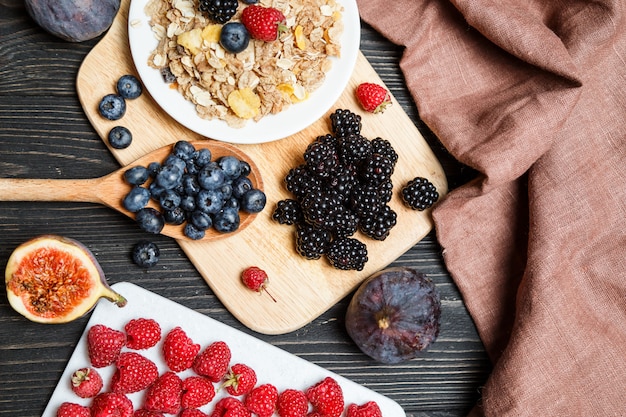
x=394, y=314
x=55, y=279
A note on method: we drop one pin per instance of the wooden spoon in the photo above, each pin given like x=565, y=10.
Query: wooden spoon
x=111, y=189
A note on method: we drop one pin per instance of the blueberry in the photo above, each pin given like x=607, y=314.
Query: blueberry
x=168, y=76
x=241, y=185
x=231, y=166
x=175, y=161
x=203, y=156
x=136, y=175
x=192, y=232
x=201, y=220
x=169, y=200
x=175, y=216
x=129, y=87
x=226, y=220
x=192, y=167
x=190, y=184
x=145, y=254
x=120, y=137
x=232, y=203
x=155, y=190
x=169, y=176
x=188, y=202
x=211, y=177
x=150, y=220
x=245, y=168
x=112, y=107
x=184, y=150
x=154, y=168
x=234, y=37
x=253, y=201
x=210, y=201
x=136, y=199
x=251, y=1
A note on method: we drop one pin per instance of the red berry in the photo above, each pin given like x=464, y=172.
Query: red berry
x=86, y=382
x=179, y=351
x=326, y=397
x=213, y=361
x=111, y=404
x=197, y=391
x=142, y=333
x=68, y=409
x=264, y=23
x=142, y=412
x=192, y=412
x=104, y=345
x=292, y=403
x=262, y=400
x=240, y=380
x=165, y=394
x=256, y=279
x=373, y=97
x=369, y=409
x=230, y=407
x=133, y=373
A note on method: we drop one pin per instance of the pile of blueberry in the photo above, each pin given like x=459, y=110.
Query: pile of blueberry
x=194, y=190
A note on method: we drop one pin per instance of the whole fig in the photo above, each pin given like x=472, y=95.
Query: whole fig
x=394, y=314
x=73, y=20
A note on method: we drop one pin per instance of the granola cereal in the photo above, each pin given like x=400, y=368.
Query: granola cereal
x=266, y=78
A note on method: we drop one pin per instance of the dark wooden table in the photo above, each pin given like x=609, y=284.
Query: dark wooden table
x=45, y=134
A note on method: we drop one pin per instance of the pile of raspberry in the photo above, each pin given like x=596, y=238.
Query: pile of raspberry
x=188, y=396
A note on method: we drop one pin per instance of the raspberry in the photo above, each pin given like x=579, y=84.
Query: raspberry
x=240, y=380
x=104, y=345
x=197, y=391
x=142, y=412
x=326, y=397
x=192, y=412
x=347, y=253
x=165, y=394
x=86, y=382
x=179, y=351
x=264, y=23
x=68, y=409
x=292, y=403
x=373, y=98
x=134, y=372
x=111, y=404
x=142, y=333
x=369, y=409
x=419, y=194
x=262, y=400
x=230, y=407
x=213, y=361
x=256, y=279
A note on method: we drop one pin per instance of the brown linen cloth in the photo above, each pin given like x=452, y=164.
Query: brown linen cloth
x=532, y=94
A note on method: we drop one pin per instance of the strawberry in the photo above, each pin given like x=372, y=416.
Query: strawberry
x=262, y=400
x=256, y=279
x=86, y=382
x=179, y=351
x=192, y=412
x=326, y=397
x=264, y=23
x=197, y=391
x=213, y=361
x=110, y=404
x=104, y=345
x=369, y=409
x=292, y=403
x=164, y=395
x=142, y=412
x=230, y=407
x=68, y=409
x=133, y=373
x=373, y=98
x=240, y=380
x=142, y=333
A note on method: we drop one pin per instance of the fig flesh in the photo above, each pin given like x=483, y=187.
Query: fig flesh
x=55, y=279
x=394, y=315
x=73, y=20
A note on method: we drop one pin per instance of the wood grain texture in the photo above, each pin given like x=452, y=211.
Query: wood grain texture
x=304, y=289
x=44, y=133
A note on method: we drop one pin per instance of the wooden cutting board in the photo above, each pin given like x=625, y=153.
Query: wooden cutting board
x=304, y=289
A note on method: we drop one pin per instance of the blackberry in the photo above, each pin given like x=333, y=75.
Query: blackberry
x=329, y=139
x=384, y=147
x=288, y=212
x=312, y=242
x=299, y=181
x=366, y=201
x=380, y=224
x=319, y=206
x=220, y=11
x=385, y=191
x=354, y=150
x=377, y=170
x=321, y=158
x=345, y=223
x=347, y=253
x=344, y=122
x=342, y=184
x=419, y=194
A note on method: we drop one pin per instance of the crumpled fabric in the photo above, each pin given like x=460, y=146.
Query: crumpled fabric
x=532, y=95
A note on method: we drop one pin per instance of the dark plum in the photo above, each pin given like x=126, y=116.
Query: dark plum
x=394, y=315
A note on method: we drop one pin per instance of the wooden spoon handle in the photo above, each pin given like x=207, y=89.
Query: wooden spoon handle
x=22, y=189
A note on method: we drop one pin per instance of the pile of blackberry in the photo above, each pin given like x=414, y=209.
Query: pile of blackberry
x=343, y=186
x=219, y=11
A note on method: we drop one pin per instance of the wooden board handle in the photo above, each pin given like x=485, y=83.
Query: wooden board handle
x=22, y=189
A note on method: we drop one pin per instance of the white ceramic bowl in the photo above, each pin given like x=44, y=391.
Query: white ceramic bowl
x=273, y=127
